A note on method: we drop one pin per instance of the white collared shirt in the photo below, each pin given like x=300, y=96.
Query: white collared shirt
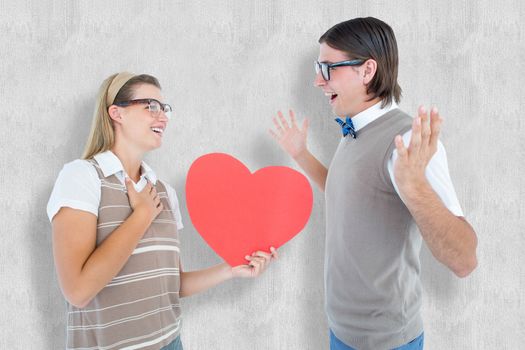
x=78, y=185
x=437, y=172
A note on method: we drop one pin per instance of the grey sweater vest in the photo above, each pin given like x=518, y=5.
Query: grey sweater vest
x=373, y=290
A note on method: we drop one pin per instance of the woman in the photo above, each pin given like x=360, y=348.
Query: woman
x=115, y=240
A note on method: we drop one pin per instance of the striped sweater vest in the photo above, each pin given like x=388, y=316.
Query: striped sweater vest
x=139, y=308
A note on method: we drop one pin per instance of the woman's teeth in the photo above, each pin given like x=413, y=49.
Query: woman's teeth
x=157, y=130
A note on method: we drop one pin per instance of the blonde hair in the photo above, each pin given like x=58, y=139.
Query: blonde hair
x=116, y=88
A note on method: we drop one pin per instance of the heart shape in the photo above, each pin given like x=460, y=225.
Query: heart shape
x=238, y=213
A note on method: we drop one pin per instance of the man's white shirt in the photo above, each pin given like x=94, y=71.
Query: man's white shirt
x=437, y=172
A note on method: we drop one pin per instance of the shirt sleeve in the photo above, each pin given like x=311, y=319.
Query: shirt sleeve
x=174, y=202
x=437, y=174
x=77, y=187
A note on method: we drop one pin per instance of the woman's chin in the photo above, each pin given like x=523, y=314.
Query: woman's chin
x=153, y=146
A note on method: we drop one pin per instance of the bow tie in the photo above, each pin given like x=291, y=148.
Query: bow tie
x=347, y=127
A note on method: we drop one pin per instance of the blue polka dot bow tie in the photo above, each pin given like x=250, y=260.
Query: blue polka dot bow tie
x=347, y=127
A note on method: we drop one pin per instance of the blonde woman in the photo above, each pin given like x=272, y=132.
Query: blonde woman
x=115, y=241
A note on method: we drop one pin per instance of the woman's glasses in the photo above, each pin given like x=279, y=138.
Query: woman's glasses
x=154, y=106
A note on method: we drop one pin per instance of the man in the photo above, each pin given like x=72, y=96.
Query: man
x=375, y=189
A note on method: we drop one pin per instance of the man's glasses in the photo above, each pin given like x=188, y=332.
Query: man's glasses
x=325, y=68
x=154, y=106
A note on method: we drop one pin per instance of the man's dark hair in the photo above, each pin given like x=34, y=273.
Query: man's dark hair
x=369, y=38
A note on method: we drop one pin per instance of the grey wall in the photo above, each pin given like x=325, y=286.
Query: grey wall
x=227, y=67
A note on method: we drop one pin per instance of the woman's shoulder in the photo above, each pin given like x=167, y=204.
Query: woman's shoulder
x=79, y=169
x=77, y=187
x=78, y=176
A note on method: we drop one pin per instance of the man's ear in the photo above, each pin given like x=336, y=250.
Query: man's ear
x=369, y=69
x=114, y=114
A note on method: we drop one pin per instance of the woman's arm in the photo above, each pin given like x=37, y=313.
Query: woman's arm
x=84, y=269
x=194, y=282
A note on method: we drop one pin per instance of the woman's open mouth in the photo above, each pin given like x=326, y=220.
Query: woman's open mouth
x=158, y=131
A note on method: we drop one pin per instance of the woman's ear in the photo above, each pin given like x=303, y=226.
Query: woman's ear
x=114, y=113
x=369, y=70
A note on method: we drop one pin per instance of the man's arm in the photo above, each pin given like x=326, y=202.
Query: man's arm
x=293, y=141
x=451, y=239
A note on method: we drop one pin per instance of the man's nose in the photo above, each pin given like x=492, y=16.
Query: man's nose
x=319, y=80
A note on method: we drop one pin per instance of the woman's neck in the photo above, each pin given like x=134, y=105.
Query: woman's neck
x=131, y=160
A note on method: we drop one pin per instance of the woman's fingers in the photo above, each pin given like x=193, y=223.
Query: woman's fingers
x=256, y=264
x=274, y=253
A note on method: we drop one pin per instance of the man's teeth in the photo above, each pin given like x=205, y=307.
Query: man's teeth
x=159, y=130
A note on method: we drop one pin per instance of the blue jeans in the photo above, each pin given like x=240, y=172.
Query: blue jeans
x=174, y=345
x=416, y=344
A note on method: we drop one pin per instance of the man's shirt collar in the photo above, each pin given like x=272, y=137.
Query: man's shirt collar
x=360, y=120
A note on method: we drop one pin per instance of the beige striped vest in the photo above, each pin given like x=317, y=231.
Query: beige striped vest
x=139, y=308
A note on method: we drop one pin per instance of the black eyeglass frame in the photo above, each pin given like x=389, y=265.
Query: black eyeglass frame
x=166, y=108
x=325, y=68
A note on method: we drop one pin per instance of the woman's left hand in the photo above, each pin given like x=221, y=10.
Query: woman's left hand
x=258, y=262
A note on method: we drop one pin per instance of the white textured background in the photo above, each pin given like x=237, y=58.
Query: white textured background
x=227, y=67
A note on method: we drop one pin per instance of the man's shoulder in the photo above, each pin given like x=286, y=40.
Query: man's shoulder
x=399, y=114
x=398, y=121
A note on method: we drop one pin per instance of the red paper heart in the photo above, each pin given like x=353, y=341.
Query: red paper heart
x=238, y=213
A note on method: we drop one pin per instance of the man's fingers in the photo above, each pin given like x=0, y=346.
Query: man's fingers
x=283, y=121
x=435, y=128
x=400, y=147
x=293, y=121
x=425, y=129
x=306, y=124
x=415, y=139
x=277, y=125
x=422, y=112
x=274, y=135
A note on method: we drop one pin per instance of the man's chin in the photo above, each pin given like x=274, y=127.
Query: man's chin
x=338, y=111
